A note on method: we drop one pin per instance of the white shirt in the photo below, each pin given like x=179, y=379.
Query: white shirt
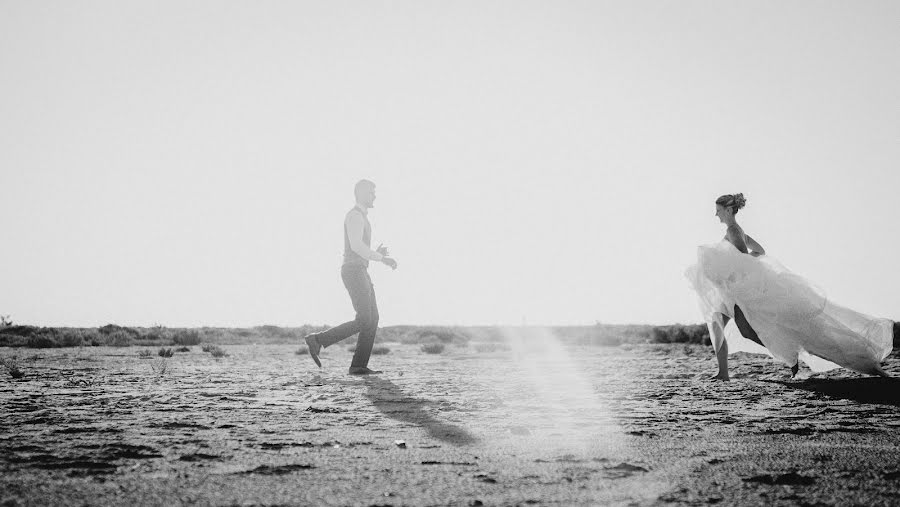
x=355, y=225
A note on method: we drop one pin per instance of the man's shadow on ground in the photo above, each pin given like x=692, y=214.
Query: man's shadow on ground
x=394, y=403
x=876, y=390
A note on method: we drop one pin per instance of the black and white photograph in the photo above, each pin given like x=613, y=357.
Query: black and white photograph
x=449, y=253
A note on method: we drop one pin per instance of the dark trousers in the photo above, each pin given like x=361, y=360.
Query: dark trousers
x=362, y=295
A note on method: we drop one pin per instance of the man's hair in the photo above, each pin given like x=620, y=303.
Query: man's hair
x=361, y=186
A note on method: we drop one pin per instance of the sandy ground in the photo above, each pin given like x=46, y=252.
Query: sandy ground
x=541, y=424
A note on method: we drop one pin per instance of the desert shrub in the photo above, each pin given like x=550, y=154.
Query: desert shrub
x=11, y=364
x=486, y=334
x=156, y=335
x=433, y=348
x=144, y=353
x=603, y=335
x=433, y=335
x=293, y=334
x=71, y=338
x=697, y=333
x=183, y=349
x=207, y=347
x=9, y=340
x=118, y=339
x=29, y=336
x=222, y=335
x=41, y=341
x=5, y=321
x=269, y=331
x=390, y=333
x=217, y=351
x=445, y=336
x=47, y=337
x=414, y=337
x=111, y=329
x=92, y=337
x=679, y=333
x=24, y=331
x=617, y=334
x=600, y=336
x=164, y=352
x=186, y=337
x=660, y=334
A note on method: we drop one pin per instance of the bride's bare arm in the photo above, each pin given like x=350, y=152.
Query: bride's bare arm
x=756, y=248
x=736, y=237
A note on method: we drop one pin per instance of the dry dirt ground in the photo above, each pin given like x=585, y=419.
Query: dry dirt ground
x=540, y=424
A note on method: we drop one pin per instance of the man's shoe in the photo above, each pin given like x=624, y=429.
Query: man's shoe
x=362, y=370
x=313, y=345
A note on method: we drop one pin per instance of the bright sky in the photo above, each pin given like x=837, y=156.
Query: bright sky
x=190, y=163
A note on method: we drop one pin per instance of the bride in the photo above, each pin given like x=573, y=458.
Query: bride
x=752, y=303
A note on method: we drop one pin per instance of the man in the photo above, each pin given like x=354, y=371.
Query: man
x=354, y=273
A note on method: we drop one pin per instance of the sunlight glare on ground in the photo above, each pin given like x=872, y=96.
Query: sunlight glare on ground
x=557, y=388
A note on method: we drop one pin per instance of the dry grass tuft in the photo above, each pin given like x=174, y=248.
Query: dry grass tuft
x=145, y=353
x=164, y=352
x=160, y=366
x=12, y=367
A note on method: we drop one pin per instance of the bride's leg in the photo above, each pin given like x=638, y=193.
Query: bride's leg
x=744, y=327
x=717, y=332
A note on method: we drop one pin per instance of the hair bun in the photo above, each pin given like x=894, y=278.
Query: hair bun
x=732, y=201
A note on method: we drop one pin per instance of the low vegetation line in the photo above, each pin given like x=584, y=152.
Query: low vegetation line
x=430, y=339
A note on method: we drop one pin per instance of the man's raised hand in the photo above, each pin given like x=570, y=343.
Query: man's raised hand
x=382, y=250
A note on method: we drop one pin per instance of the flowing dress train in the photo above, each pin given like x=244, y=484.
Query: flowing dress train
x=793, y=318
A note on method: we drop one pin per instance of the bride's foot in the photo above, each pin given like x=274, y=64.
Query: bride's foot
x=362, y=370
x=720, y=376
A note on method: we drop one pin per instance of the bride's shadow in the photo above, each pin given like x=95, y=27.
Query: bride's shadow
x=394, y=403
x=875, y=390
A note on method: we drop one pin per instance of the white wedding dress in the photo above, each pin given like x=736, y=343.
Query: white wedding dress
x=793, y=318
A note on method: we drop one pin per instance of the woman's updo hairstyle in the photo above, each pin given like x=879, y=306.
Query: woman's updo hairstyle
x=733, y=201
